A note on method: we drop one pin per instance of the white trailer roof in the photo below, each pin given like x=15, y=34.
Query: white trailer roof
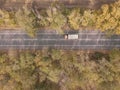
x=72, y=36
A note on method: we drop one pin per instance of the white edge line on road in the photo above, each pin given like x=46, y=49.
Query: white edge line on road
x=53, y=33
x=60, y=45
x=60, y=39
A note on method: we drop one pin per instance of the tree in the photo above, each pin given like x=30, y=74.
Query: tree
x=74, y=19
x=109, y=72
x=54, y=18
x=51, y=69
x=108, y=19
x=7, y=18
x=89, y=19
x=27, y=20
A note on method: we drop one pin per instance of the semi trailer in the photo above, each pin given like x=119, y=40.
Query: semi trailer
x=71, y=36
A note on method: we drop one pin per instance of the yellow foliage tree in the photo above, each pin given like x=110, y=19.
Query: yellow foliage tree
x=74, y=19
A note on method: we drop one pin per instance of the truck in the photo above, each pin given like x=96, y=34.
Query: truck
x=71, y=36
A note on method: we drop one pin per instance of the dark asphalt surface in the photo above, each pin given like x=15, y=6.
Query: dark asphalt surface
x=51, y=39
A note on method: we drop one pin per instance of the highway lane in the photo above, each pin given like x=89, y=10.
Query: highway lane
x=51, y=39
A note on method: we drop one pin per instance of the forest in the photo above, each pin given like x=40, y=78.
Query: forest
x=58, y=17
x=52, y=69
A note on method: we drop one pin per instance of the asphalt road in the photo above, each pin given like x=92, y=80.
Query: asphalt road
x=51, y=39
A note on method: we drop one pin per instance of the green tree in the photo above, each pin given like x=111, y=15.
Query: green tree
x=109, y=72
x=27, y=20
x=54, y=18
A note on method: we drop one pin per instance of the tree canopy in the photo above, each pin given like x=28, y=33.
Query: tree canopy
x=57, y=17
x=52, y=69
